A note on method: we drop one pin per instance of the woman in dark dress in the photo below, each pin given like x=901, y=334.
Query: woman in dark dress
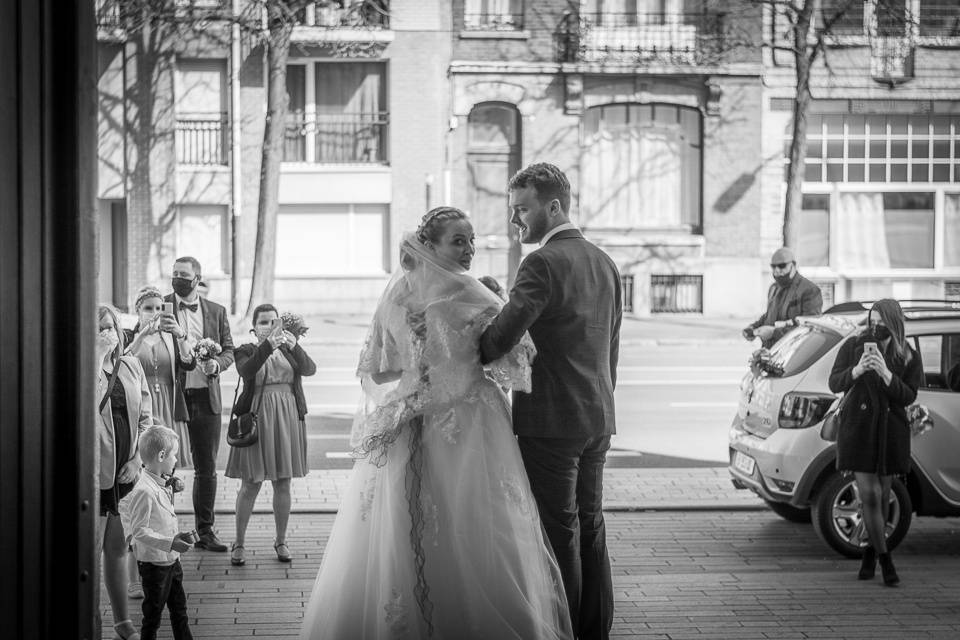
x=874, y=436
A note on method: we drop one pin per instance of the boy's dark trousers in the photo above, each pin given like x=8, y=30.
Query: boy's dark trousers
x=163, y=585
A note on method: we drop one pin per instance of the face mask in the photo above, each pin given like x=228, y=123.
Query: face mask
x=183, y=287
x=109, y=336
x=783, y=280
x=880, y=332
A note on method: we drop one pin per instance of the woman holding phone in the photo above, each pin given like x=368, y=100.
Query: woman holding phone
x=880, y=374
x=161, y=353
x=271, y=369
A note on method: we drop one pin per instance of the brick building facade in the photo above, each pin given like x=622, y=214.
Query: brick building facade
x=666, y=119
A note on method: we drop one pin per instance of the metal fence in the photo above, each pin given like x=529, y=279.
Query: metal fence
x=202, y=140
x=346, y=138
x=493, y=21
x=676, y=294
x=345, y=13
x=671, y=38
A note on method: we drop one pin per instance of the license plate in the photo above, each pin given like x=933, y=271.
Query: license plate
x=744, y=463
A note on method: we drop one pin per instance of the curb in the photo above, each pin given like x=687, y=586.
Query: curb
x=611, y=508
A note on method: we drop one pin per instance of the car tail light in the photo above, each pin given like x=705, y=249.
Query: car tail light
x=802, y=410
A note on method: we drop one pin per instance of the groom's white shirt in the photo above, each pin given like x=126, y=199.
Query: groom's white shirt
x=557, y=229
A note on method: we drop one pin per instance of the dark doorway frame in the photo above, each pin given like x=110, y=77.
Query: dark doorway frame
x=47, y=282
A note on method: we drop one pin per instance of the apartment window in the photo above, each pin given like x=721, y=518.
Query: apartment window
x=341, y=239
x=338, y=113
x=202, y=232
x=201, y=109
x=493, y=15
x=951, y=230
x=940, y=19
x=843, y=17
x=881, y=148
x=813, y=231
x=886, y=230
x=641, y=166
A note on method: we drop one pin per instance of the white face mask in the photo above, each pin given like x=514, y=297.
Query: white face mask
x=109, y=338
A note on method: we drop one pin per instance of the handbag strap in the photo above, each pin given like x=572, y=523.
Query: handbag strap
x=259, y=398
x=113, y=381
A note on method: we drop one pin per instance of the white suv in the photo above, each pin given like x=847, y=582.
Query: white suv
x=775, y=445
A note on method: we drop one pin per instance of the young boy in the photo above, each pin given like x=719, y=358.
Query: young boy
x=148, y=518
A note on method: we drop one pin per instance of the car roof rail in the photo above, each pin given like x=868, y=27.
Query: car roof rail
x=918, y=304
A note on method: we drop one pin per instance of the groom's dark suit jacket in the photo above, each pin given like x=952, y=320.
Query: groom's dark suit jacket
x=567, y=294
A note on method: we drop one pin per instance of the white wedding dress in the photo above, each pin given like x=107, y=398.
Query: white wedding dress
x=438, y=534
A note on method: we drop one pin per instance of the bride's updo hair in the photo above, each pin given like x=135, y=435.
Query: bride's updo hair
x=430, y=229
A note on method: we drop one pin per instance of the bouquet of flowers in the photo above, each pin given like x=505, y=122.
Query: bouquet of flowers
x=205, y=349
x=762, y=360
x=920, y=419
x=293, y=323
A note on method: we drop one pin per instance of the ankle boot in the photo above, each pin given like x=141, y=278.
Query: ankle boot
x=890, y=577
x=868, y=563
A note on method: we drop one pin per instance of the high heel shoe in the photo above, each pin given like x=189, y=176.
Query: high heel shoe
x=890, y=577
x=126, y=631
x=868, y=564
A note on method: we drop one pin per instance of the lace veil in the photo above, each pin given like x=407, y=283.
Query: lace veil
x=426, y=330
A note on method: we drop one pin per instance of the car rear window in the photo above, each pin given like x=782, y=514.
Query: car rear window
x=801, y=348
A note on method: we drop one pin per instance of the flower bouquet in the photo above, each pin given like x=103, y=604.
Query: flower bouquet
x=205, y=349
x=919, y=419
x=293, y=323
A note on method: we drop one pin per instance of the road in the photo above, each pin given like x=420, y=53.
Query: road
x=674, y=404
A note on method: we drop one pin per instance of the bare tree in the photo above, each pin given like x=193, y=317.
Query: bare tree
x=804, y=29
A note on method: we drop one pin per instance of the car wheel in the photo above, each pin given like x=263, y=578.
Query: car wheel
x=789, y=512
x=838, y=522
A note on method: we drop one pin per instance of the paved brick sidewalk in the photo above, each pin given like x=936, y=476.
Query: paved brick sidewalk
x=624, y=490
x=678, y=575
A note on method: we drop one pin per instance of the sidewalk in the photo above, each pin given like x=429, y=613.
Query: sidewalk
x=624, y=490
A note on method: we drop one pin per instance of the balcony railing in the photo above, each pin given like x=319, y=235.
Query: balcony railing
x=340, y=14
x=493, y=21
x=665, y=38
x=348, y=138
x=202, y=139
x=109, y=14
x=891, y=60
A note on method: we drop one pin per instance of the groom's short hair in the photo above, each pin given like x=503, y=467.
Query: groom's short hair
x=549, y=182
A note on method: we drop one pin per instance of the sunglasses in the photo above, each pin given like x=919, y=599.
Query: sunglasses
x=780, y=265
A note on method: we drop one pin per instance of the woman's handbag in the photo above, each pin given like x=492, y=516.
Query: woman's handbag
x=242, y=430
x=831, y=421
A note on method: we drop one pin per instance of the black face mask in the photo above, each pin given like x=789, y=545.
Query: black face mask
x=183, y=287
x=783, y=280
x=880, y=332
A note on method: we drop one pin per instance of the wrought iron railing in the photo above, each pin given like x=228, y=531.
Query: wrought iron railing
x=337, y=139
x=334, y=14
x=202, y=139
x=676, y=294
x=626, y=287
x=493, y=21
x=109, y=14
x=672, y=38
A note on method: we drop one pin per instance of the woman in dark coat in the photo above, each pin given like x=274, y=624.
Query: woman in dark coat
x=874, y=436
x=272, y=372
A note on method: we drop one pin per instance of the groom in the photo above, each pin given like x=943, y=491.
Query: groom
x=567, y=295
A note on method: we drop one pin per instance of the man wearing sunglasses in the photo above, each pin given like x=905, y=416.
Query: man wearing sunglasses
x=790, y=295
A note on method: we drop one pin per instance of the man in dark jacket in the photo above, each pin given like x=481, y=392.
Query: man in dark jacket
x=567, y=295
x=790, y=295
x=199, y=318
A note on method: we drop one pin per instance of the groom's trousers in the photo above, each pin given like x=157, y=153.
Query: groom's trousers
x=566, y=477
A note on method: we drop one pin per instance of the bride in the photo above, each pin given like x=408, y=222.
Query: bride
x=438, y=534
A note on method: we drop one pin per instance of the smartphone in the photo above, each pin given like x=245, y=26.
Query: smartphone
x=275, y=324
x=871, y=347
x=168, y=307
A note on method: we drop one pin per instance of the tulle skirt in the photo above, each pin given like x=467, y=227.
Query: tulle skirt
x=467, y=559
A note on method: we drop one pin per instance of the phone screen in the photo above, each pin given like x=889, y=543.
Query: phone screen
x=168, y=307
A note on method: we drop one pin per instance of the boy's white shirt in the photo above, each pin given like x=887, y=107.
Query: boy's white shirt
x=149, y=520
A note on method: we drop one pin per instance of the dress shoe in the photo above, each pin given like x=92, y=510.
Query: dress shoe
x=890, y=577
x=868, y=564
x=209, y=541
